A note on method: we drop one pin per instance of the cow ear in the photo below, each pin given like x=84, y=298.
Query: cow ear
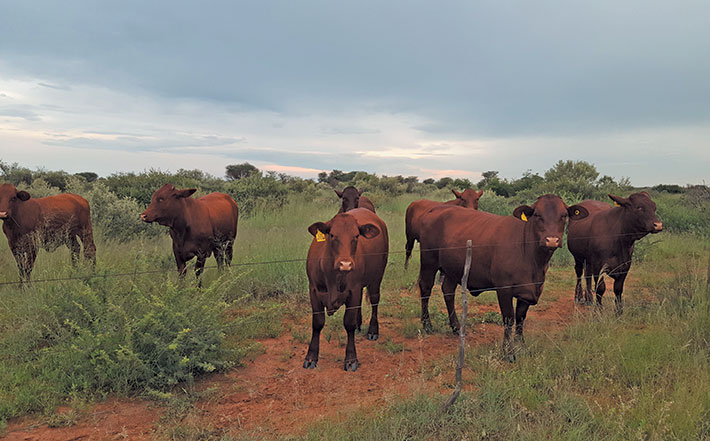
x=457, y=194
x=185, y=193
x=319, y=226
x=369, y=231
x=480, y=193
x=577, y=212
x=624, y=202
x=523, y=212
x=23, y=195
x=339, y=193
x=359, y=193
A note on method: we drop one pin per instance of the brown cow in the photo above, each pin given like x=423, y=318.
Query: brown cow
x=604, y=242
x=47, y=223
x=353, y=198
x=199, y=227
x=348, y=253
x=510, y=256
x=468, y=199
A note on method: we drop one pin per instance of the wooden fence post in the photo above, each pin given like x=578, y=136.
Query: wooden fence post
x=462, y=331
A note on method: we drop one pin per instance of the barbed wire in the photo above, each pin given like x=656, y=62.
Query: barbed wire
x=280, y=261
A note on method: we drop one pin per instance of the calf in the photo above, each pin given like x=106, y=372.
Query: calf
x=510, y=255
x=469, y=199
x=604, y=242
x=348, y=253
x=32, y=223
x=199, y=227
x=353, y=198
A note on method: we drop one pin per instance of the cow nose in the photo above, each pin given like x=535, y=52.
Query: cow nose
x=143, y=217
x=3, y=214
x=552, y=242
x=658, y=226
x=345, y=265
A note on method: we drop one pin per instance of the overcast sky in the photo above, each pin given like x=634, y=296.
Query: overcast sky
x=427, y=88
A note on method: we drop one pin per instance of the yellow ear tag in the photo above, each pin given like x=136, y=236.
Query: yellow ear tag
x=320, y=237
x=616, y=204
x=523, y=217
x=576, y=212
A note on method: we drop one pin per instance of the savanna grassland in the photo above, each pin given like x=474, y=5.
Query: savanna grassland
x=132, y=329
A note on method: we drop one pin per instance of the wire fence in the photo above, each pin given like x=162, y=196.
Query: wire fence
x=292, y=260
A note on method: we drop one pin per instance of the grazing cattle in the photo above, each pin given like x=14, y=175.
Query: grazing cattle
x=199, y=227
x=47, y=223
x=468, y=199
x=353, y=198
x=348, y=253
x=510, y=256
x=604, y=242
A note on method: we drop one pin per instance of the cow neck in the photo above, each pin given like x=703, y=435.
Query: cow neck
x=622, y=223
x=20, y=221
x=533, y=252
x=180, y=224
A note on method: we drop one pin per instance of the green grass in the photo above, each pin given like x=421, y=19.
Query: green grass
x=643, y=376
x=70, y=342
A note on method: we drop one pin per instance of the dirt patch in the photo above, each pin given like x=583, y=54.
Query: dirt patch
x=275, y=395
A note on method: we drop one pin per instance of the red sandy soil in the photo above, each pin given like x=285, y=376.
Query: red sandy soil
x=274, y=395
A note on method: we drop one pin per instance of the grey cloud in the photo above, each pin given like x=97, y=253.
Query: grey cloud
x=483, y=67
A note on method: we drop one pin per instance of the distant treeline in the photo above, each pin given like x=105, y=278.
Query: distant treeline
x=116, y=199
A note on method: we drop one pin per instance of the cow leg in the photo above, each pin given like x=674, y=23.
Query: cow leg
x=578, y=290
x=505, y=302
x=588, y=279
x=373, y=292
x=179, y=260
x=521, y=311
x=75, y=248
x=449, y=289
x=600, y=288
x=25, y=258
x=618, y=290
x=219, y=256
x=228, y=252
x=427, y=273
x=317, y=324
x=426, y=283
x=200, y=267
x=87, y=239
x=350, y=323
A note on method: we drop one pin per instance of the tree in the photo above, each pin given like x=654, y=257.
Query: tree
x=580, y=171
x=89, y=176
x=239, y=171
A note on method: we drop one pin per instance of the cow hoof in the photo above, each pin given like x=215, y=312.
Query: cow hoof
x=373, y=337
x=310, y=364
x=509, y=356
x=455, y=330
x=351, y=365
x=428, y=328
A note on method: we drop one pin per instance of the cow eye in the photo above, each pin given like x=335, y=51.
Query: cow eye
x=160, y=199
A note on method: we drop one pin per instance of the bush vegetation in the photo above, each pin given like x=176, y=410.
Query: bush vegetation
x=146, y=332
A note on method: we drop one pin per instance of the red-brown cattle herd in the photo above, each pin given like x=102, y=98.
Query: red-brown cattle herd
x=348, y=253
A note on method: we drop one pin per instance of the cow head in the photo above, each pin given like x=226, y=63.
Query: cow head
x=341, y=235
x=351, y=198
x=11, y=200
x=547, y=218
x=468, y=198
x=639, y=213
x=166, y=205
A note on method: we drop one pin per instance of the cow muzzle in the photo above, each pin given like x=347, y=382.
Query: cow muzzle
x=345, y=266
x=4, y=215
x=657, y=227
x=552, y=242
x=144, y=218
